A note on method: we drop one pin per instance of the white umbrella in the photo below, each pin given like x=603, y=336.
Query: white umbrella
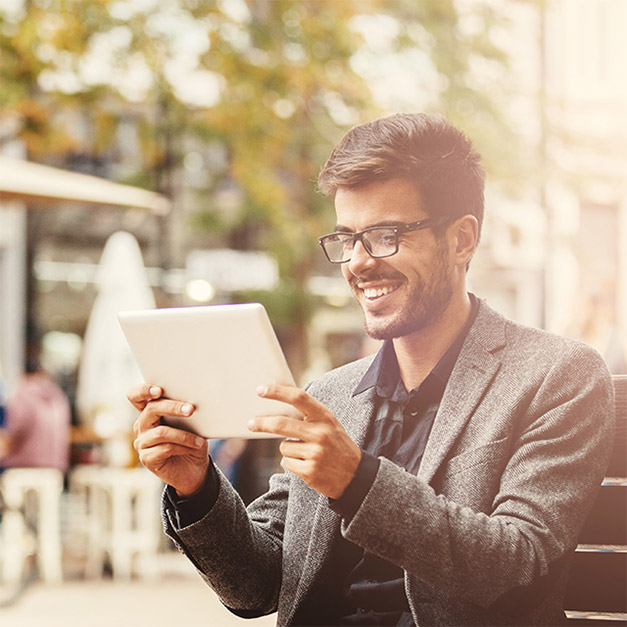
x=107, y=369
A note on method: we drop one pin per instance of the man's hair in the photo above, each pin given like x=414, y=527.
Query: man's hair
x=424, y=149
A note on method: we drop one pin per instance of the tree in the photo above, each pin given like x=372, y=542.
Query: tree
x=274, y=83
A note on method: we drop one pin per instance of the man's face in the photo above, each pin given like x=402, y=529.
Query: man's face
x=407, y=292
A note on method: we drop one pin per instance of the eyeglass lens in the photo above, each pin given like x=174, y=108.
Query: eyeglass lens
x=378, y=241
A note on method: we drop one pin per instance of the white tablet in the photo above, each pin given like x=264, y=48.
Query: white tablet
x=214, y=357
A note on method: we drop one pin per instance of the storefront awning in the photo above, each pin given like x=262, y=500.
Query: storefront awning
x=38, y=185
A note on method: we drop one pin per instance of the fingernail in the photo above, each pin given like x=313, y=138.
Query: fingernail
x=155, y=391
x=251, y=425
x=198, y=441
x=262, y=390
x=186, y=409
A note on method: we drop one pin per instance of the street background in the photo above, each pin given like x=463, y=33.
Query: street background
x=179, y=594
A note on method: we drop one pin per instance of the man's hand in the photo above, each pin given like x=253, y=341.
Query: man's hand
x=177, y=457
x=321, y=453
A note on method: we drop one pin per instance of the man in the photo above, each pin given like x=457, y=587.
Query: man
x=442, y=482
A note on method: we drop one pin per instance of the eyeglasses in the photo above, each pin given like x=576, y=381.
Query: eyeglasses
x=379, y=241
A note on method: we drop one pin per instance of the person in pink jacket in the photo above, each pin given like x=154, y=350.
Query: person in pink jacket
x=36, y=433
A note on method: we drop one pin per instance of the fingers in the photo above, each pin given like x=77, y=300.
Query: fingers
x=316, y=444
x=309, y=407
x=154, y=410
x=285, y=426
x=143, y=393
x=297, y=449
x=310, y=412
x=172, y=441
x=177, y=457
x=317, y=449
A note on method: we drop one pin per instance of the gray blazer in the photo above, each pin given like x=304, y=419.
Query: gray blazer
x=517, y=451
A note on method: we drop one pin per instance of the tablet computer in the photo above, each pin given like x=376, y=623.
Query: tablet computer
x=215, y=357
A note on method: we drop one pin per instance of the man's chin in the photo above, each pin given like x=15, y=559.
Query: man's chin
x=379, y=329
x=391, y=327
x=378, y=334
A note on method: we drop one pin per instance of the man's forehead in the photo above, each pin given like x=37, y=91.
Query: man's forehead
x=391, y=200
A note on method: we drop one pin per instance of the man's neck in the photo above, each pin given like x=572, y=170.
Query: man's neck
x=418, y=353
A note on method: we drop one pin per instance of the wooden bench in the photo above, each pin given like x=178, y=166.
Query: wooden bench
x=597, y=588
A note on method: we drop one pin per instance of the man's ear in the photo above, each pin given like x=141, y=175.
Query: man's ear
x=466, y=235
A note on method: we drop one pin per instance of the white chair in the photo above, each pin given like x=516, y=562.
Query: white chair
x=46, y=486
x=122, y=519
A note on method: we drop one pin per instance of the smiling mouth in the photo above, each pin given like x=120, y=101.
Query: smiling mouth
x=372, y=293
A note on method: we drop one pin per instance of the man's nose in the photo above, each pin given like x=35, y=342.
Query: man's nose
x=360, y=259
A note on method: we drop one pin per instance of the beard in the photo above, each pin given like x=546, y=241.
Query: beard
x=424, y=302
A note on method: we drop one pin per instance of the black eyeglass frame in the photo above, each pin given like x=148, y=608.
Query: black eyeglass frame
x=398, y=230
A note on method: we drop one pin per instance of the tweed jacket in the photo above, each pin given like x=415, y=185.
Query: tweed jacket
x=483, y=532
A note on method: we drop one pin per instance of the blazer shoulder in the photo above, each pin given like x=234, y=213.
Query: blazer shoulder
x=495, y=331
x=533, y=354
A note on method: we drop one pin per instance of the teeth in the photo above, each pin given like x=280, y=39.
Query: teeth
x=374, y=293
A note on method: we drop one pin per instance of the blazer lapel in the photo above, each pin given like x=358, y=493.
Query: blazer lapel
x=358, y=416
x=473, y=373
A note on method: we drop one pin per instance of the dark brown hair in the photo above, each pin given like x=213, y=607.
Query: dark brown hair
x=425, y=149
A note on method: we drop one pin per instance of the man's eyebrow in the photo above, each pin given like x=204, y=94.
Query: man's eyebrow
x=340, y=228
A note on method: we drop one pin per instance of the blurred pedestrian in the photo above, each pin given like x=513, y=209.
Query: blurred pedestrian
x=36, y=433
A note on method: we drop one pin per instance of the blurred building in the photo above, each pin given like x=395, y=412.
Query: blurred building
x=555, y=255
x=568, y=56
x=586, y=86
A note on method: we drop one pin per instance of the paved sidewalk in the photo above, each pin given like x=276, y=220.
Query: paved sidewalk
x=178, y=598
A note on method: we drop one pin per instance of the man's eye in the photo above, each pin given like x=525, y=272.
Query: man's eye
x=337, y=238
x=387, y=239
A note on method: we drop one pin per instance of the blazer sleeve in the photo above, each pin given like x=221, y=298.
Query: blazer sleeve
x=237, y=552
x=537, y=483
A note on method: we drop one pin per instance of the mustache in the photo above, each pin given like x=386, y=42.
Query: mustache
x=375, y=276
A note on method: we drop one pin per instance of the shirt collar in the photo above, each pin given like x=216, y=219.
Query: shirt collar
x=384, y=375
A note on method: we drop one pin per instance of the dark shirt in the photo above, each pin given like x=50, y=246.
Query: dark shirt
x=365, y=589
